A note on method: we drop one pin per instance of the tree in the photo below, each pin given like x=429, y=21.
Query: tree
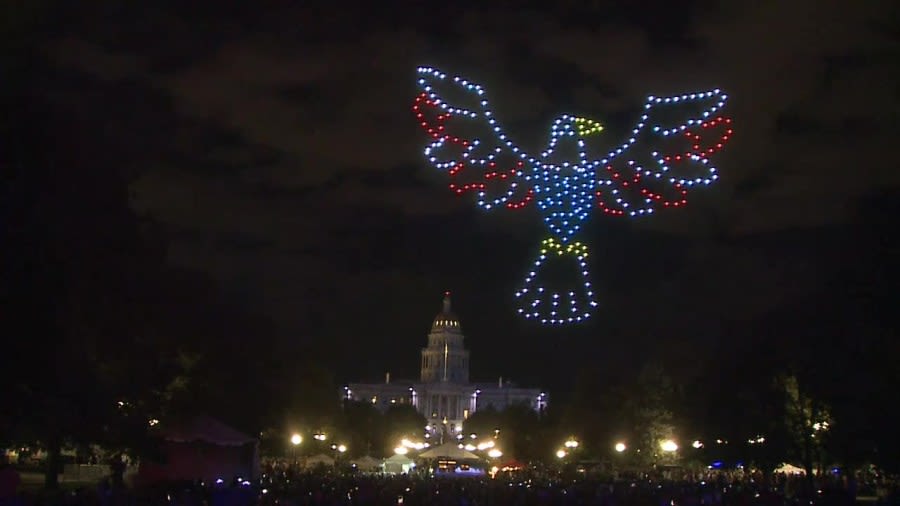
x=593, y=413
x=520, y=431
x=363, y=427
x=736, y=401
x=91, y=359
x=76, y=272
x=402, y=421
x=648, y=407
x=807, y=420
x=483, y=422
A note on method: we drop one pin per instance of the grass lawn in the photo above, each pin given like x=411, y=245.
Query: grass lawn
x=33, y=482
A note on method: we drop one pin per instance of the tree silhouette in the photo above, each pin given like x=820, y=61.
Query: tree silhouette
x=483, y=422
x=808, y=421
x=364, y=427
x=79, y=276
x=96, y=349
x=648, y=406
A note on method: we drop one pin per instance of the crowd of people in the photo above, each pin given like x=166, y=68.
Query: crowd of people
x=292, y=486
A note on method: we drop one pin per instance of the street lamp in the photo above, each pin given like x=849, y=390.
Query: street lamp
x=668, y=446
x=620, y=447
x=296, y=439
x=495, y=453
x=571, y=443
x=342, y=448
x=561, y=454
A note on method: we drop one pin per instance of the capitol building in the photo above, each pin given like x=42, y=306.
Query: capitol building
x=444, y=394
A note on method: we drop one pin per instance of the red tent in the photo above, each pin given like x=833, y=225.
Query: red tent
x=512, y=465
x=201, y=448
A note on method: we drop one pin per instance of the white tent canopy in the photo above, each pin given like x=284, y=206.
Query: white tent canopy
x=450, y=451
x=398, y=464
x=319, y=459
x=790, y=469
x=366, y=463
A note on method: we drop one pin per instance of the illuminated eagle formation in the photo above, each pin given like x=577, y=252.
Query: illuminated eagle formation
x=666, y=155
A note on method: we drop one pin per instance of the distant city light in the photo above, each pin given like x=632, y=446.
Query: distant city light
x=485, y=445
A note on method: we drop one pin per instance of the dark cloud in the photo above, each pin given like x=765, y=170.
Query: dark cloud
x=277, y=145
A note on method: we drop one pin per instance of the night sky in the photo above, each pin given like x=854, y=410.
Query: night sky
x=275, y=144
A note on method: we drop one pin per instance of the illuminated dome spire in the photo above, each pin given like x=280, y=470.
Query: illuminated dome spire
x=445, y=359
x=446, y=319
x=447, y=301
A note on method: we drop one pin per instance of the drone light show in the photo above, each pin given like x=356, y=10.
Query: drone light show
x=666, y=155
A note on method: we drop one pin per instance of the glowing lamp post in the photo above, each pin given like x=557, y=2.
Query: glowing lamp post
x=668, y=446
x=296, y=439
x=620, y=447
x=338, y=450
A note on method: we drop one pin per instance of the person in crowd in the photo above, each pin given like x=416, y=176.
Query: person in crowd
x=9, y=482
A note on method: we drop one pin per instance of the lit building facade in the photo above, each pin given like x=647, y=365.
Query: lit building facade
x=443, y=393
